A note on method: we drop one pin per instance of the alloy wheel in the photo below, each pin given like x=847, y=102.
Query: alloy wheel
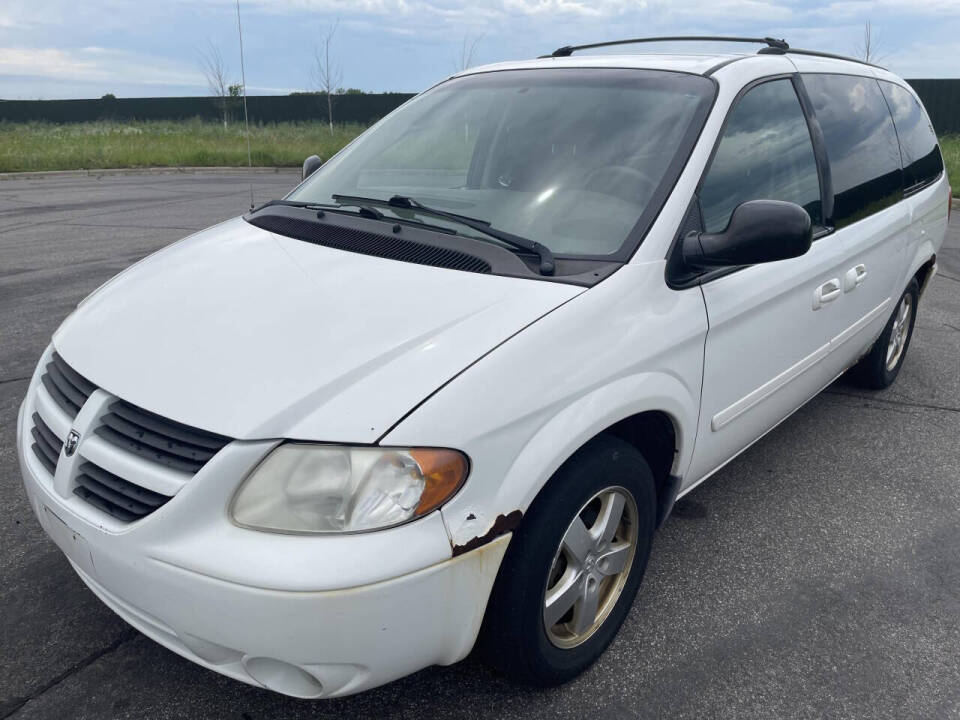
x=590, y=568
x=899, y=331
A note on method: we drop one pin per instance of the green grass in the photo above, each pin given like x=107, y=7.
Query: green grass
x=950, y=147
x=194, y=143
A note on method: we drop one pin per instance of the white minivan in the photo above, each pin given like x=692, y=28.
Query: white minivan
x=445, y=391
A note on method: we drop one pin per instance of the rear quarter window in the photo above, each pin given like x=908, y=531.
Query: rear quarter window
x=922, y=163
x=861, y=144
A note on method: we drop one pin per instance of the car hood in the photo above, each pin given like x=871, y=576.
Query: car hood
x=249, y=334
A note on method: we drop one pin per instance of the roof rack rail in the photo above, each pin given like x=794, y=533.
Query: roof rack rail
x=815, y=53
x=772, y=44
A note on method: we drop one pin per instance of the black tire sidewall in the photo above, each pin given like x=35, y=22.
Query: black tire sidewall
x=520, y=587
x=889, y=375
x=871, y=372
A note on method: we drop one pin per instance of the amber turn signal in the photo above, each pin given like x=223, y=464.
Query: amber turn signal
x=443, y=471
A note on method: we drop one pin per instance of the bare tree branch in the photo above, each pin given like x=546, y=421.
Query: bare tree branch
x=870, y=47
x=468, y=49
x=326, y=73
x=216, y=72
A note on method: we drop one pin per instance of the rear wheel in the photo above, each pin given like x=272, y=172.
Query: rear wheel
x=573, y=566
x=880, y=367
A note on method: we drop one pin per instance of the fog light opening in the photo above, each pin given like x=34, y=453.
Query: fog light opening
x=283, y=677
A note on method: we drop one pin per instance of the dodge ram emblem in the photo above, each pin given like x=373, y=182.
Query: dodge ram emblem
x=70, y=444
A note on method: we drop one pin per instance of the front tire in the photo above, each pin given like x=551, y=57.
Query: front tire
x=573, y=566
x=880, y=367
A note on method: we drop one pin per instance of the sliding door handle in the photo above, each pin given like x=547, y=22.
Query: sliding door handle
x=854, y=278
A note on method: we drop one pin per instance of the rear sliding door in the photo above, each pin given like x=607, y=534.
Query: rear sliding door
x=871, y=222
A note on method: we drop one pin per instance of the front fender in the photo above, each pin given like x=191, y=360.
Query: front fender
x=626, y=346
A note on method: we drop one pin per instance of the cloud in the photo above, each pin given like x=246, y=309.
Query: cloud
x=94, y=64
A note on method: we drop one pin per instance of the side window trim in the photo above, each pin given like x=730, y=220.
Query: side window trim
x=820, y=154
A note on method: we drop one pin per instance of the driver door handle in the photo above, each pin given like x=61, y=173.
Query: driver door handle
x=828, y=292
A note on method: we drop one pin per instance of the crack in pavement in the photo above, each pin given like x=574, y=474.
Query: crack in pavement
x=14, y=704
x=902, y=403
x=16, y=379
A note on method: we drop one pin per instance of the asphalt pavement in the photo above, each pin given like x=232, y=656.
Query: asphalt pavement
x=817, y=575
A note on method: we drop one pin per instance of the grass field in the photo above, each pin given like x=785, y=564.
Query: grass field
x=46, y=146
x=950, y=147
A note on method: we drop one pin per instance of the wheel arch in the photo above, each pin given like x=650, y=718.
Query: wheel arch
x=924, y=273
x=660, y=421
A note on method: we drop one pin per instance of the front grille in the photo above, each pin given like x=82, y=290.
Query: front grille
x=114, y=495
x=166, y=450
x=46, y=446
x=159, y=440
x=66, y=386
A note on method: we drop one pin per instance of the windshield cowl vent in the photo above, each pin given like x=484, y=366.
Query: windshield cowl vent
x=277, y=221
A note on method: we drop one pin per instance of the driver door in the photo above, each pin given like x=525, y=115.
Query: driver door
x=767, y=348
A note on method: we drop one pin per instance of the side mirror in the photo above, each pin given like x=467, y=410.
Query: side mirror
x=759, y=231
x=311, y=165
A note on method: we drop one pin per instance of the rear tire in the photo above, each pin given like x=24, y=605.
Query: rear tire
x=880, y=367
x=559, y=552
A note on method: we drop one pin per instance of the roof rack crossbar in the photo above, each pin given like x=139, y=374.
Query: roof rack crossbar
x=772, y=44
x=816, y=53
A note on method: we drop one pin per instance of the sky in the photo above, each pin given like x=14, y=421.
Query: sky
x=86, y=48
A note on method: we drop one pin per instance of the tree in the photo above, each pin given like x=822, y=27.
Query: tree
x=109, y=96
x=326, y=73
x=468, y=49
x=216, y=72
x=869, y=48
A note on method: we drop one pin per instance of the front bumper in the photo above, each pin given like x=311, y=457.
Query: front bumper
x=302, y=615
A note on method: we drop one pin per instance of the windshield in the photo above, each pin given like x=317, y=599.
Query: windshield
x=570, y=158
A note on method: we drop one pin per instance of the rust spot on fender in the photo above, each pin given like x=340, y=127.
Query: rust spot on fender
x=501, y=526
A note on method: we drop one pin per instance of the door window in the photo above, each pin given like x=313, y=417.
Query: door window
x=918, y=143
x=765, y=154
x=861, y=144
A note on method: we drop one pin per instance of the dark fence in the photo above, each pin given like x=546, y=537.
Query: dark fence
x=942, y=100
x=262, y=108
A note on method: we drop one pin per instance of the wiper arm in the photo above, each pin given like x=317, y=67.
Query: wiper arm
x=362, y=209
x=547, y=263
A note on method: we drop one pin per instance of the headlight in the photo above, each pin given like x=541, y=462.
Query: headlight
x=305, y=488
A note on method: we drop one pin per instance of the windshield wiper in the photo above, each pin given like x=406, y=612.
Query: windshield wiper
x=547, y=263
x=364, y=210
